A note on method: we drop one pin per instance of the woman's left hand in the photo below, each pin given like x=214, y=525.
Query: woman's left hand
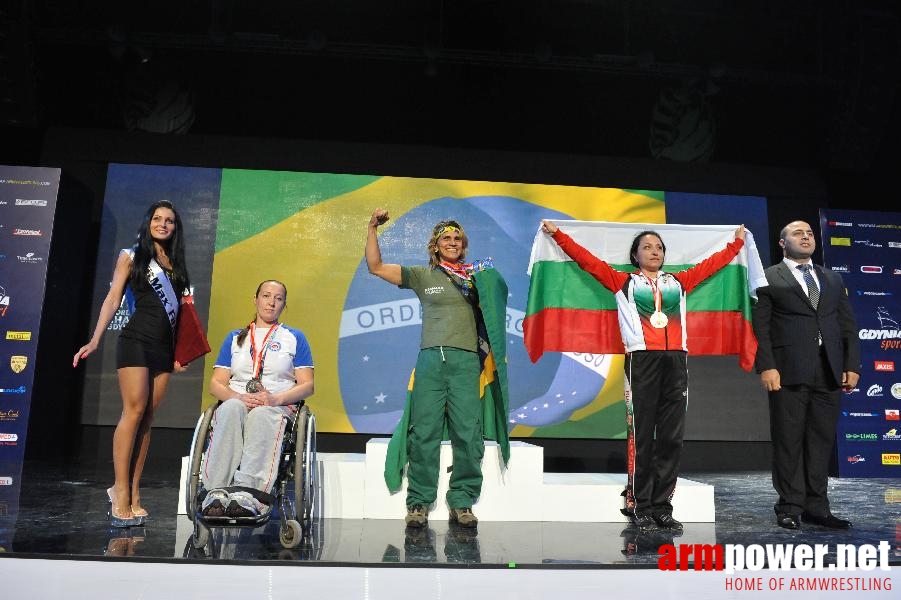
x=178, y=367
x=740, y=232
x=268, y=399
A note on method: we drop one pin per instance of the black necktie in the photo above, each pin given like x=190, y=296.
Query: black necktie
x=812, y=290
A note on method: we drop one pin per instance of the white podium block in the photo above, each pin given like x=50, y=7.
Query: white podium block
x=512, y=494
x=352, y=486
x=340, y=493
x=596, y=498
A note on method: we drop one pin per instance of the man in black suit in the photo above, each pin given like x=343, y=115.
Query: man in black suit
x=807, y=351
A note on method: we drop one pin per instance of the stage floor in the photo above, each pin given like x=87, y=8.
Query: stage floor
x=62, y=513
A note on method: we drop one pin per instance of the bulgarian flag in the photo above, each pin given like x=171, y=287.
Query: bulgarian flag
x=569, y=311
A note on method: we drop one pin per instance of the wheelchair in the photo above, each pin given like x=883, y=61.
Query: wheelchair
x=294, y=489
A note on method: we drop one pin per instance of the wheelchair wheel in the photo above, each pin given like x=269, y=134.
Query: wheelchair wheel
x=198, y=448
x=290, y=534
x=200, y=537
x=305, y=465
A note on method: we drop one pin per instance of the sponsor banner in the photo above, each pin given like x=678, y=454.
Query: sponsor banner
x=891, y=459
x=861, y=247
x=28, y=198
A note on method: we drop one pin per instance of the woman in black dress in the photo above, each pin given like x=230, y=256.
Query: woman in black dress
x=154, y=268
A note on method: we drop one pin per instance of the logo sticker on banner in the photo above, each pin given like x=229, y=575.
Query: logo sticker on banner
x=18, y=363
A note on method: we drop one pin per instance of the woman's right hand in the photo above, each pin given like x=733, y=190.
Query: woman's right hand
x=548, y=227
x=379, y=217
x=83, y=352
x=251, y=401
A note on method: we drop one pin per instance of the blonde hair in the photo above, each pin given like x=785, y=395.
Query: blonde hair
x=440, y=229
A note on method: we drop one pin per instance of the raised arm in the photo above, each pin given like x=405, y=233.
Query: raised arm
x=108, y=308
x=690, y=278
x=606, y=275
x=388, y=272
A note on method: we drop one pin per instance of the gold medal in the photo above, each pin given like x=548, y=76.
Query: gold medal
x=659, y=320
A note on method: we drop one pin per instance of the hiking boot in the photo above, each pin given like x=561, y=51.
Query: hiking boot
x=646, y=523
x=417, y=516
x=666, y=521
x=463, y=517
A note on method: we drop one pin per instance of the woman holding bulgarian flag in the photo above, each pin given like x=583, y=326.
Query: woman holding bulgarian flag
x=651, y=313
x=155, y=271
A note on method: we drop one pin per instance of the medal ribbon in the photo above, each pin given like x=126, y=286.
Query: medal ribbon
x=463, y=271
x=258, y=357
x=658, y=297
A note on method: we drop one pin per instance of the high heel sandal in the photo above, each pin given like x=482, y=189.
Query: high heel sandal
x=139, y=512
x=117, y=521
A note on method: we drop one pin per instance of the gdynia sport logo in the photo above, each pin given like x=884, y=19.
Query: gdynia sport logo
x=738, y=558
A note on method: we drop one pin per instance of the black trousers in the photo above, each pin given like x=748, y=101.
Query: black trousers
x=802, y=426
x=656, y=399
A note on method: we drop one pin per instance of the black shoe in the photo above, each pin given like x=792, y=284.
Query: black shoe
x=646, y=523
x=830, y=521
x=666, y=521
x=788, y=521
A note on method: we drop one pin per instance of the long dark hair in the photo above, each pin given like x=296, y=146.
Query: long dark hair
x=633, y=252
x=243, y=334
x=145, y=251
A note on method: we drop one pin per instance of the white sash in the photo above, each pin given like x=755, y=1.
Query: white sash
x=160, y=284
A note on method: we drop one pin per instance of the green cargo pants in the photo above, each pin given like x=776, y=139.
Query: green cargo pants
x=446, y=385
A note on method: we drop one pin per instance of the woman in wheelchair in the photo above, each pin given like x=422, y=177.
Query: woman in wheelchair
x=261, y=373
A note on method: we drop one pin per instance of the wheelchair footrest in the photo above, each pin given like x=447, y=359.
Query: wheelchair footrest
x=226, y=521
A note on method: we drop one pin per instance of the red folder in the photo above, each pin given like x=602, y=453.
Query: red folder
x=190, y=340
